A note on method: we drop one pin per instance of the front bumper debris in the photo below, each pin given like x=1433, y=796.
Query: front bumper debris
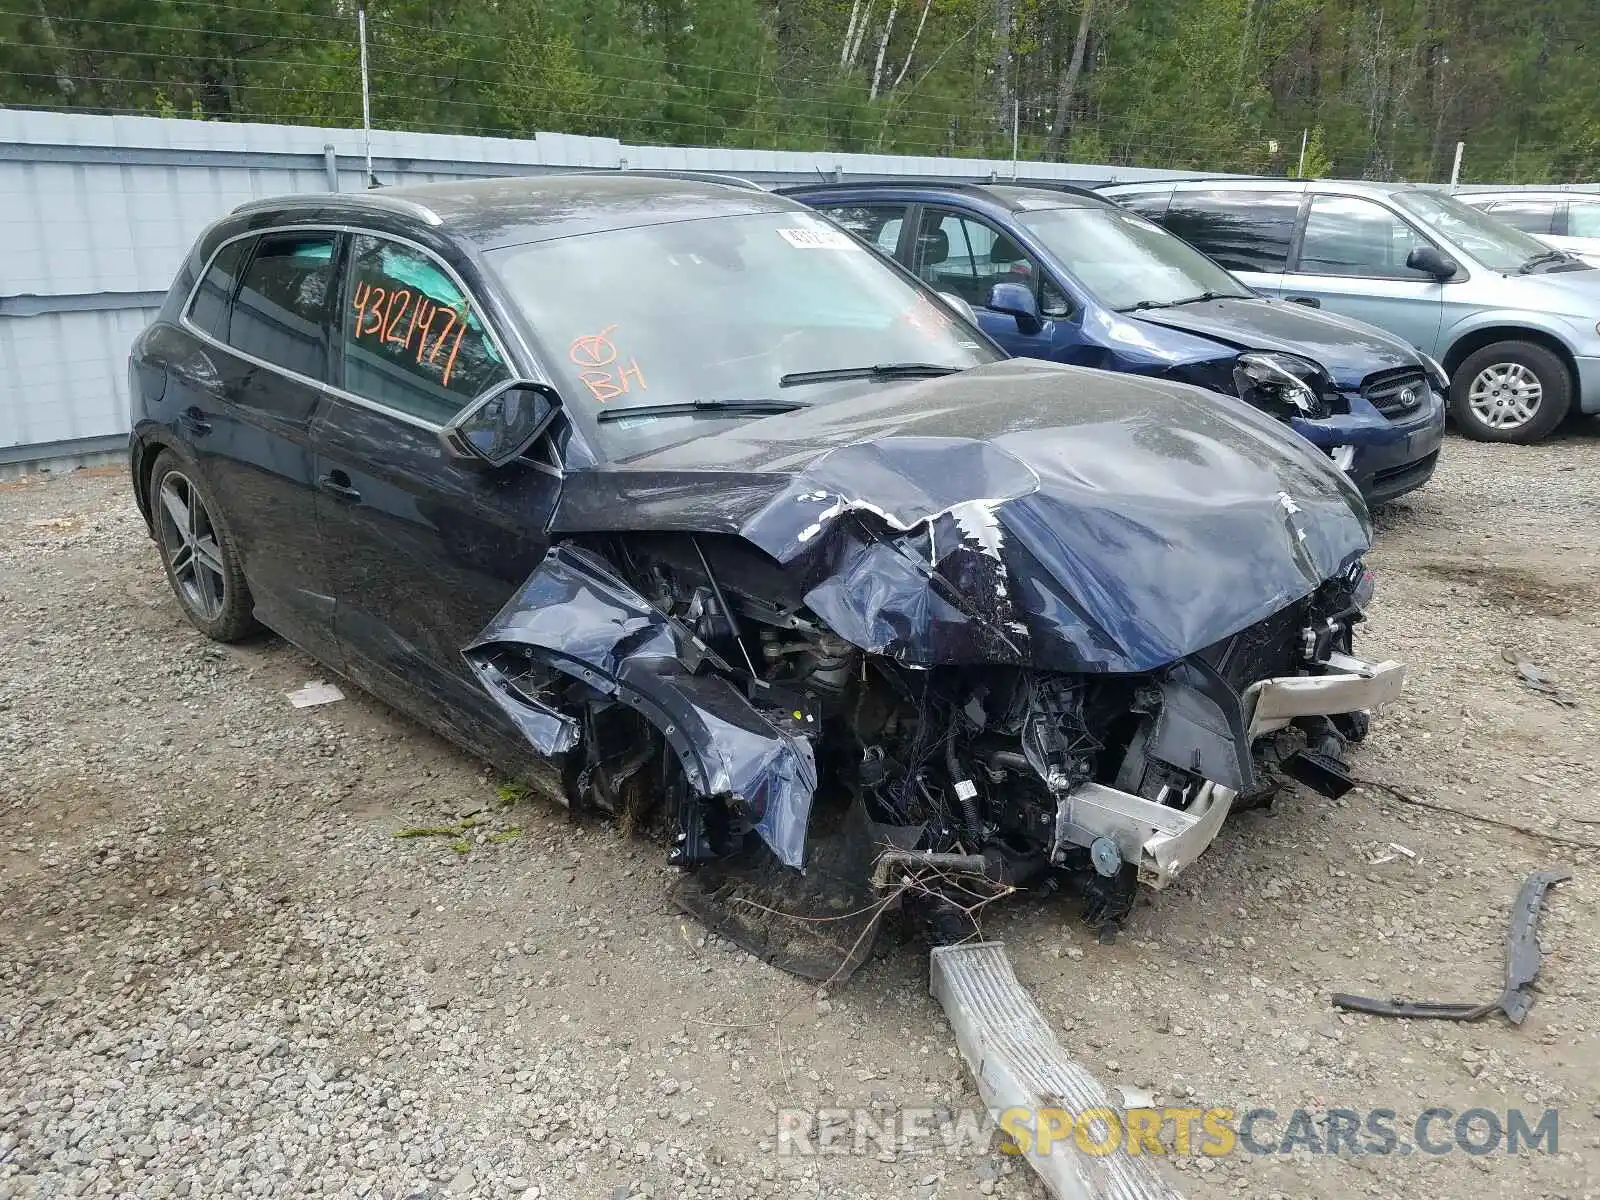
x=1522, y=967
x=1158, y=840
x=1351, y=685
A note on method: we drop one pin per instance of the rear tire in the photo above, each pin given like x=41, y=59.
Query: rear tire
x=198, y=552
x=1510, y=392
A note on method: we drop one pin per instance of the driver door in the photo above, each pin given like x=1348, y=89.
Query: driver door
x=421, y=549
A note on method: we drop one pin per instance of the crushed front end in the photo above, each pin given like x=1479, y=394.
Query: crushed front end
x=1048, y=680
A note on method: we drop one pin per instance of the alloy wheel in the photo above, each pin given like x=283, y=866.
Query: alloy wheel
x=190, y=540
x=1505, y=395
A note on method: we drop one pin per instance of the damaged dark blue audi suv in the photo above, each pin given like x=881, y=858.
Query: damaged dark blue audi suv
x=676, y=500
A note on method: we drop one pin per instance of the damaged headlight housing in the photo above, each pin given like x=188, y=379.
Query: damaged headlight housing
x=1284, y=385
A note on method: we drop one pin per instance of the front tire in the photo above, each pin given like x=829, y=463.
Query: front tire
x=1510, y=392
x=198, y=552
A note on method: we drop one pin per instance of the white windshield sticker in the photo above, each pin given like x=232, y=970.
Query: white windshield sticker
x=818, y=239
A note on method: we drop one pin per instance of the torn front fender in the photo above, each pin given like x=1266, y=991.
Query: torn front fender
x=575, y=616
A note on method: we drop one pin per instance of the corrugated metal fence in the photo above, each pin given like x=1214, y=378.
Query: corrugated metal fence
x=97, y=212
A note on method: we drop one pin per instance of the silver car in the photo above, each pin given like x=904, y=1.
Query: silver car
x=1567, y=220
x=1512, y=320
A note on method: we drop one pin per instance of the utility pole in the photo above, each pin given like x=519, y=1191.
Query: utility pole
x=366, y=96
x=1016, y=121
x=1455, y=169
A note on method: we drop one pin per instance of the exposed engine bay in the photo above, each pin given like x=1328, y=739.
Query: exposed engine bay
x=1025, y=653
x=998, y=771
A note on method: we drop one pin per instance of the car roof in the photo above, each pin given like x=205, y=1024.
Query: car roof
x=1013, y=197
x=515, y=210
x=1525, y=193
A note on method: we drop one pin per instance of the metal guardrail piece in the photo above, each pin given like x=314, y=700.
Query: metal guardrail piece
x=1014, y=1056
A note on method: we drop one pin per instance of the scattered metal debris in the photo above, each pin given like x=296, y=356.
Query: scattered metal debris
x=314, y=693
x=1536, y=679
x=1522, y=967
x=1019, y=1065
x=1390, y=852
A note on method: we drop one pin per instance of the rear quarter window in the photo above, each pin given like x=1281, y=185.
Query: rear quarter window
x=208, y=311
x=1244, y=231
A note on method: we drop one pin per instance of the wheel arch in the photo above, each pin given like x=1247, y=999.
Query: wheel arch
x=1474, y=340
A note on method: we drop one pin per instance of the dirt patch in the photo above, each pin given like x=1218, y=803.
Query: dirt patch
x=1544, y=591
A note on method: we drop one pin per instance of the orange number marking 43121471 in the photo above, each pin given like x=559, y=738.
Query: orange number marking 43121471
x=414, y=323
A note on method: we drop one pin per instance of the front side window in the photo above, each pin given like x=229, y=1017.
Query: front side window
x=876, y=224
x=1126, y=261
x=967, y=257
x=721, y=309
x=1583, y=219
x=280, y=313
x=1242, y=230
x=1346, y=235
x=413, y=342
x=1530, y=216
x=1492, y=243
x=209, y=309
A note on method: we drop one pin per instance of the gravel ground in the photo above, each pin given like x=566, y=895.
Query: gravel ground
x=221, y=973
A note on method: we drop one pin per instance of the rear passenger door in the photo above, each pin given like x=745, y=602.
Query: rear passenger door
x=1352, y=260
x=1248, y=232
x=247, y=403
x=960, y=254
x=422, y=549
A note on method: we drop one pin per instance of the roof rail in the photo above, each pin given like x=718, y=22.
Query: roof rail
x=903, y=181
x=372, y=199
x=737, y=181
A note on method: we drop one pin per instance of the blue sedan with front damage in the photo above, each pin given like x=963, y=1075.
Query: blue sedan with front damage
x=1063, y=274
x=677, y=495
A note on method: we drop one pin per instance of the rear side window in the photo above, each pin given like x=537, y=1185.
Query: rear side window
x=1244, y=231
x=876, y=224
x=209, y=309
x=280, y=314
x=1530, y=216
x=413, y=342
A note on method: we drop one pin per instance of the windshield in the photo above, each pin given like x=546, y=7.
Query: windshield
x=1126, y=260
x=719, y=310
x=1489, y=241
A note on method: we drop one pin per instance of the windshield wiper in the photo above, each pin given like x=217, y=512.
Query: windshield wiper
x=1205, y=296
x=1549, y=256
x=1141, y=305
x=906, y=370
x=694, y=407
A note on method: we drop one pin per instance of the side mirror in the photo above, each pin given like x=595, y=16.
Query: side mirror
x=1019, y=301
x=960, y=305
x=1432, y=261
x=500, y=424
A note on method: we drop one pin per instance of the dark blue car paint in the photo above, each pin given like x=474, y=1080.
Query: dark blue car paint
x=1199, y=343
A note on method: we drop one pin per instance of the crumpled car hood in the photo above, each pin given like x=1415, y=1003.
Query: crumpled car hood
x=1347, y=349
x=1018, y=512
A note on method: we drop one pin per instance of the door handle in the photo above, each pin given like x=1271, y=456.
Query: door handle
x=338, y=483
x=194, y=421
x=1308, y=301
